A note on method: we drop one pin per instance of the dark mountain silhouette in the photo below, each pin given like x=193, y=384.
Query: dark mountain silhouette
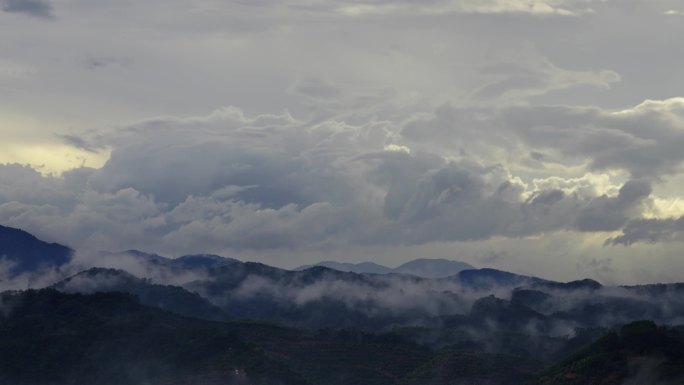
x=201, y=261
x=583, y=284
x=471, y=368
x=196, y=261
x=142, y=256
x=361, y=268
x=479, y=326
x=488, y=279
x=496, y=323
x=432, y=268
x=50, y=337
x=637, y=353
x=172, y=298
x=27, y=254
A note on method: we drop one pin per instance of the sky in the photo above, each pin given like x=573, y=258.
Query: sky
x=542, y=137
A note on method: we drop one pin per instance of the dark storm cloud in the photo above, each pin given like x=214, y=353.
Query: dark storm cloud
x=650, y=231
x=36, y=8
x=609, y=214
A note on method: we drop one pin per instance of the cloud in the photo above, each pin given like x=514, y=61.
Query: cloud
x=384, y=7
x=650, y=231
x=11, y=71
x=80, y=143
x=489, y=123
x=93, y=62
x=394, y=294
x=229, y=182
x=610, y=214
x=526, y=73
x=643, y=141
x=41, y=9
x=535, y=7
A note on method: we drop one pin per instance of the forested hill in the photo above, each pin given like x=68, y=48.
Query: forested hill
x=49, y=337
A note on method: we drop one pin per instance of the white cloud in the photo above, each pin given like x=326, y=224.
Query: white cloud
x=440, y=7
x=362, y=124
x=230, y=181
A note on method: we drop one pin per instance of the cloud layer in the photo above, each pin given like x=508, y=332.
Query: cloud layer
x=350, y=128
x=227, y=181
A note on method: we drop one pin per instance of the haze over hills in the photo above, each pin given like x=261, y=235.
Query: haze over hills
x=214, y=287
x=172, y=298
x=477, y=326
x=109, y=338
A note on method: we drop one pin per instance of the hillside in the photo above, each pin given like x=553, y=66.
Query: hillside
x=54, y=338
x=27, y=254
x=470, y=368
x=325, y=326
x=167, y=297
x=636, y=353
x=50, y=337
x=110, y=338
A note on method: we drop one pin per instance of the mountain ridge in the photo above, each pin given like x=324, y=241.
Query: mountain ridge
x=420, y=267
x=26, y=253
x=324, y=326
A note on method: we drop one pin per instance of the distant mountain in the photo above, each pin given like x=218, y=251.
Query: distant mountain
x=317, y=297
x=202, y=261
x=140, y=255
x=583, y=284
x=360, y=268
x=195, y=261
x=489, y=279
x=321, y=297
x=432, y=268
x=475, y=326
x=426, y=268
x=27, y=254
x=218, y=288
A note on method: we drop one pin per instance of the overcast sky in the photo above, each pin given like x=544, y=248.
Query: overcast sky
x=542, y=137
